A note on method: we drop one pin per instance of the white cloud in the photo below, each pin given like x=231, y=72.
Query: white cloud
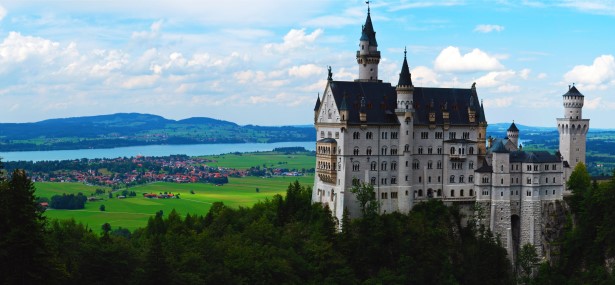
x=306, y=70
x=541, y=75
x=294, y=39
x=499, y=81
x=602, y=7
x=141, y=81
x=426, y=4
x=450, y=59
x=592, y=103
x=498, y=102
x=525, y=73
x=2, y=12
x=488, y=28
x=153, y=33
x=18, y=48
x=424, y=76
x=595, y=76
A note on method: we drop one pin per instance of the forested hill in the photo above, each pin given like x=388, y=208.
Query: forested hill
x=130, y=129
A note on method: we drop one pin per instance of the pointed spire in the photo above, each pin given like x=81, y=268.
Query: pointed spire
x=513, y=128
x=481, y=113
x=405, y=78
x=368, y=33
x=317, y=103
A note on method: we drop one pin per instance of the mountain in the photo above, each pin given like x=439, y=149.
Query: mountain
x=129, y=129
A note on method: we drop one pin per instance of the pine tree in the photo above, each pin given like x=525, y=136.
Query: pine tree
x=24, y=255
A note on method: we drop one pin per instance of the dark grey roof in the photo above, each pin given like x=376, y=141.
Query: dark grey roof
x=344, y=105
x=499, y=147
x=327, y=140
x=405, y=78
x=368, y=33
x=453, y=100
x=381, y=100
x=533, y=157
x=485, y=168
x=481, y=114
x=513, y=128
x=573, y=91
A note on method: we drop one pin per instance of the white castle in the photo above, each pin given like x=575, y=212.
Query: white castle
x=418, y=143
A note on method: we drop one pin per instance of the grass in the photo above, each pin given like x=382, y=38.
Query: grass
x=132, y=213
x=270, y=159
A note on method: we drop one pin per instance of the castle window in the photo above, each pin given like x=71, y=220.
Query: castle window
x=355, y=151
x=407, y=147
x=369, y=135
x=471, y=150
x=529, y=180
x=535, y=167
x=424, y=135
x=393, y=180
x=554, y=166
x=393, y=165
x=452, y=180
x=553, y=179
x=415, y=164
x=439, y=150
x=369, y=150
x=429, y=179
x=383, y=195
x=393, y=135
x=466, y=135
x=337, y=135
x=322, y=134
x=406, y=177
x=471, y=178
x=393, y=194
x=461, y=193
x=374, y=166
x=502, y=167
x=329, y=134
x=356, y=166
x=452, y=150
x=429, y=165
x=502, y=181
x=529, y=168
x=546, y=167
x=383, y=166
x=471, y=164
x=420, y=150
x=384, y=135
x=452, y=135
x=393, y=151
x=406, y=163
x=439, y=179
x=461, y=179
x=553, y=192
x=420, y=193
x=429, y=150
x=439, y=135
x=546, y=179
x=439, y=164
x=420, y=179
x=439, y=192
x=373, y=181
x=383, y=151
x=471, y=192
x=452, y=193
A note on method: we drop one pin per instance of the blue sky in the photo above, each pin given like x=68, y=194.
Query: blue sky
x=264, y=62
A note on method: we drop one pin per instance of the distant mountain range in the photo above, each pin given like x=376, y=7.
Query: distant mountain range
x=130, y=129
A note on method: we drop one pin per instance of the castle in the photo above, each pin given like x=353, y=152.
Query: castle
x=418, y=143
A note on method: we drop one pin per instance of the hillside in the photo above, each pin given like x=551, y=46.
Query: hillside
x=130, y=129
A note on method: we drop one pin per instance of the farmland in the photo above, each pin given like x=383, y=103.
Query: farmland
x=132, y=213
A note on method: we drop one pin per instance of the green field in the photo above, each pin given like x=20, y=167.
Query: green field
x=134, y=212
x=270, y=159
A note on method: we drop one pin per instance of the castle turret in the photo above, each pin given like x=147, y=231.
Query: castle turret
x=368, y=56
x=573, y=128
x=317, y=108
x=513, y=135
x=405, y=114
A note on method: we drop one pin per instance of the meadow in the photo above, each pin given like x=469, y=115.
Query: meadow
x=132, y=213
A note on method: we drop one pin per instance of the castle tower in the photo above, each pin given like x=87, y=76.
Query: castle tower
x=573, y=128
x=368, y=55
x=482, y=131
x=513, y=135
x=405, y=113
x=501, y=222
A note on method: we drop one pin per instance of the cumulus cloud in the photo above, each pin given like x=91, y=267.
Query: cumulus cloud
x=450, y=59
x=18, y=48
x=592, y=103
x=306, y=70
x=294, y=39
x=601, y=7
x=525, y=73
x=488, y=28
x=595, y=76
x=499, y=81
x=422, y=75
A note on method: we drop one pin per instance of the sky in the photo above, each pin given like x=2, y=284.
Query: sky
x=265, y=62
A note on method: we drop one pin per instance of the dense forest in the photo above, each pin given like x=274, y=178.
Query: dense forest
x=292, y=241
x=284, y=240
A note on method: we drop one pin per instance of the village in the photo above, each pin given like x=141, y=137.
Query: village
x=127, y=172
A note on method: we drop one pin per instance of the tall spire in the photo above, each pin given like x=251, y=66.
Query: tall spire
x=368, y=33
x=405, y=79
x=317, y=107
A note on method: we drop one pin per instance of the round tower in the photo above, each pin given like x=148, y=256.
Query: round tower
x=572, y=129
x=368, y=56
x=405, y=113
x=513, y=134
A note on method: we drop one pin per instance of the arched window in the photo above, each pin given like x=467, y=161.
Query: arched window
x=452, y=193
x=374, y=166
x=355, y=151
x=373, y=181
x=471, y=150
x=461, y=178
x=452, y=180
x=471, y=192
x=452, y=150
x=420, y=192
x=369, y=150
x=461, y=193
x=407, y=147
x=383, y=165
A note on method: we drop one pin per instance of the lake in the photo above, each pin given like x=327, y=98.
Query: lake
x=149, y=150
